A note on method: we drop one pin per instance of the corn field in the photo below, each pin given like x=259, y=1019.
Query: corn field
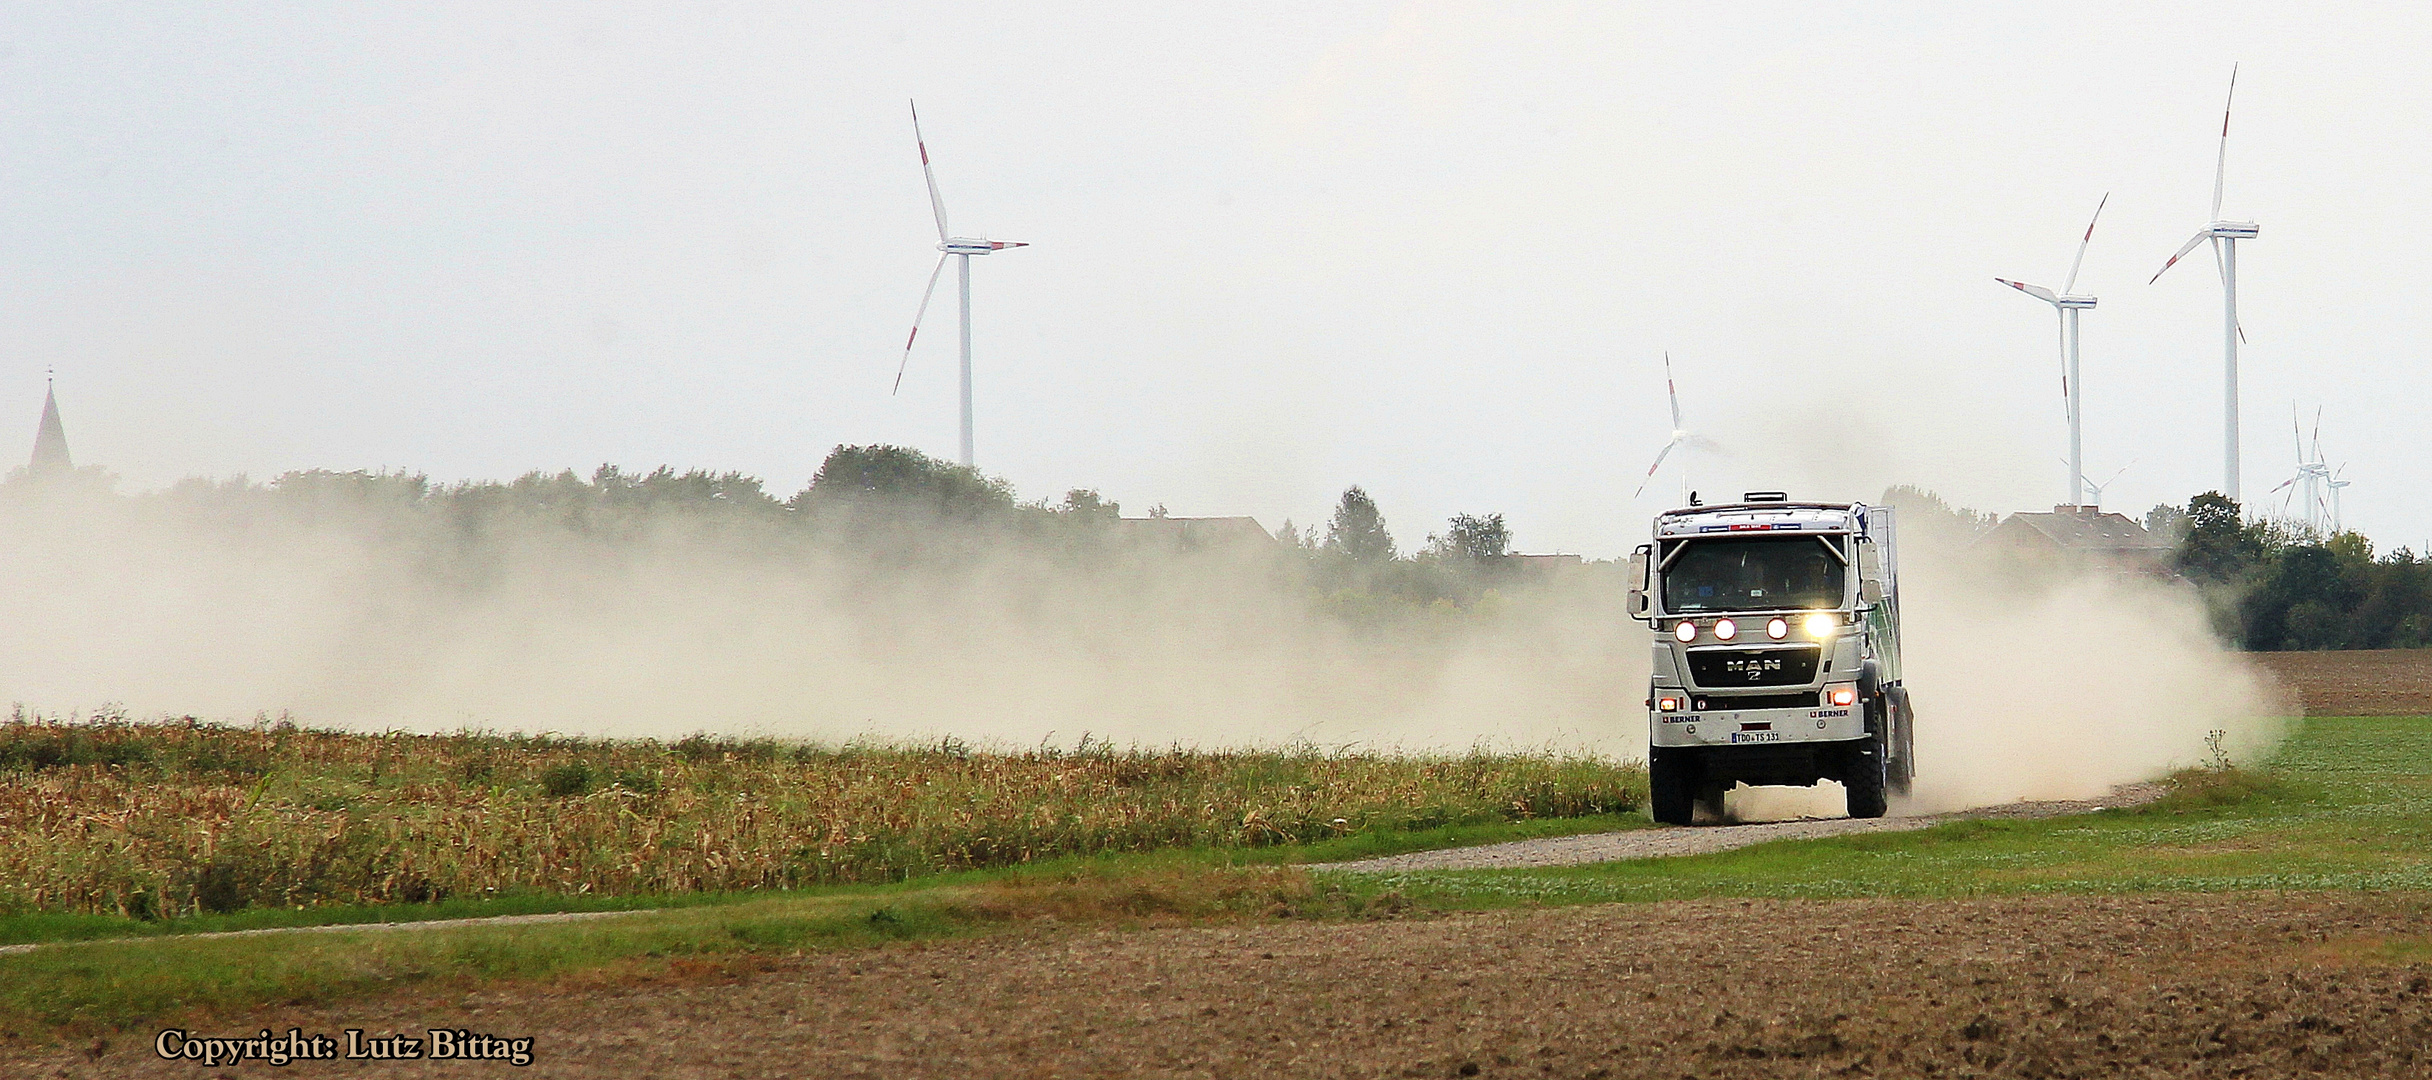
x=170, y=818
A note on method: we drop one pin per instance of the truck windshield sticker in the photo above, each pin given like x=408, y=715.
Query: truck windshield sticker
x=1752, y=573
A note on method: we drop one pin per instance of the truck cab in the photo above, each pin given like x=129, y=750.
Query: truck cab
x=1776, y=653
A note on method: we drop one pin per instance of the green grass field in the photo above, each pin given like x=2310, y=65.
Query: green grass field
x=2347, y=805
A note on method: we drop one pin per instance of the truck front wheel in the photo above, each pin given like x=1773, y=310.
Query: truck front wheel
x=1864, y=769
x=1671, y=786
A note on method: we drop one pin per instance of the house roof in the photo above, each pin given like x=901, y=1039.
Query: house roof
x=1202, y=530
x=2081, y=529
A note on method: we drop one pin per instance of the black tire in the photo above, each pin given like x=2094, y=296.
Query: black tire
x=1903, y=773
x=1865, y=767
x=1710, y=799
x=1671, y=787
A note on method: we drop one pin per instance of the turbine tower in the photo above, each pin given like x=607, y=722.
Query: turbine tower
x=2072, y=390
x=961, y=249
x=2224, y=236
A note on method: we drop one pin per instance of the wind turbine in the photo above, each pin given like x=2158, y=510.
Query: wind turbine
x=961, y=249
x=2072, y=391
x=2224, y=236
x=2338, y=524
x=2315, y=474
x=2095, y=491
x=1681, y=436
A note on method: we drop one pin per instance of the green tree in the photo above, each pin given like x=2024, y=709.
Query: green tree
x=1358, y=529
x=1472, y=539
x=2220, y=548
x=1085, y=503
x=907, y=478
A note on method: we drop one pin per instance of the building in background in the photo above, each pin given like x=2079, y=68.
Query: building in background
x=2082, y=537
x=1196, y=532
x=50, y=440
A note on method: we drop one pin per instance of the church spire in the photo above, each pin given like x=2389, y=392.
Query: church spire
x=51, y=439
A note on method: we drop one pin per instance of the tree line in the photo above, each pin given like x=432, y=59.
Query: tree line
x=2274, y=586
x=879, y=505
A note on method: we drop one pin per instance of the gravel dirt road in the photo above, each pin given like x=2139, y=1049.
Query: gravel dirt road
x=2248, y=984
x=1701, y=839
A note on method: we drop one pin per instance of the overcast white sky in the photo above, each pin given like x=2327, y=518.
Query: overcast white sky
x=1437, y=250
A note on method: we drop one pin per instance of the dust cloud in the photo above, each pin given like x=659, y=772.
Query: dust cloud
x=2032, y=683
x=356, y=613
x=2034, y=680
x=228, y=602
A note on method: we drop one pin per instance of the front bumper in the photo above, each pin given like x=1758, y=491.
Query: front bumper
x=1756, y=727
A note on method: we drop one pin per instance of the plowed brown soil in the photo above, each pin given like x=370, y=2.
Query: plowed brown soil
x=2364, y=682
x=2203, y=985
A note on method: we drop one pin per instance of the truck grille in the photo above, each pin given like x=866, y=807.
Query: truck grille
x=1804, y=699
x=1721, y=668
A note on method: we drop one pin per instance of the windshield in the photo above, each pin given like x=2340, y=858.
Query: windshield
x=1754, y=574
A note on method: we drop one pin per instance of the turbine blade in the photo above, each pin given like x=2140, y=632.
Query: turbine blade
x=2220, y=169
x=2071, y=287
x=2036, y=291
x=1659, y=463
x=917, y=316
x=1673, y=391
x=2317, y=433
x=2295, y=434
x=2283, y=483
x=2198, y=238
x=937, y=203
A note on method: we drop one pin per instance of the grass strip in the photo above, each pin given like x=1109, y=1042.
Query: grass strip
x=2346, y=805
x=43, y=927
x=78, y=988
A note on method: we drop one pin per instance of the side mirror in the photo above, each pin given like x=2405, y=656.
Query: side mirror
x=1638, y=583
x=1870, y=592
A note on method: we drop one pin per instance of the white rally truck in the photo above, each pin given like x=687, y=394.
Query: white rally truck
x=1777, y=653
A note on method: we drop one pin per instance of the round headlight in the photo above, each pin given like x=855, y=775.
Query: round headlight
x=1777, y=629
x=1725, y=629
x=1820, y=625
x=1686, y=631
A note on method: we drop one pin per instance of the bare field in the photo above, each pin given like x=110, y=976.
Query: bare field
x=2254, y=984
x=2359, y=682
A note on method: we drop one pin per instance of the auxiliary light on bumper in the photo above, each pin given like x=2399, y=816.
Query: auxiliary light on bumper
x=1843, y=695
